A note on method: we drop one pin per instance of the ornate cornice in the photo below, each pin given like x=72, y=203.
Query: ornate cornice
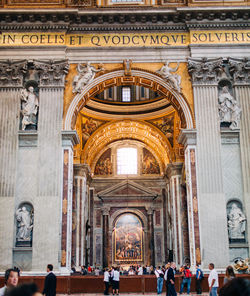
x=11, y=73
x=51, y=73
x=205, y=71
x=124, y=19
x=240, y=70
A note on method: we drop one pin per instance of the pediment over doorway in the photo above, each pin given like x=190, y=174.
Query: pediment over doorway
x=127, y=190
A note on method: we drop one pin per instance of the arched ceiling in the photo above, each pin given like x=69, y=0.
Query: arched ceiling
x=128, y=129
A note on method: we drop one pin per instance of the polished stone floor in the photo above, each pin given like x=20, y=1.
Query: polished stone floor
x=132, y=294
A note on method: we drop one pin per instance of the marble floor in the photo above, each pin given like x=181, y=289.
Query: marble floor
x=132, y=294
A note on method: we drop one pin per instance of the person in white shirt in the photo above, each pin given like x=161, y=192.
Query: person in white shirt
x=11, y=279
x=106, y=281
x=213, y=282
x=140, y=270
x=159, y=275
x=115, y=282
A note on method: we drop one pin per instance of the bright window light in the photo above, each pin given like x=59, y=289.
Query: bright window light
x=127, y=161
x=126, y=94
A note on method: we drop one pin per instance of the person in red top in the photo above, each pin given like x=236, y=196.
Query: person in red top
x=89, y=269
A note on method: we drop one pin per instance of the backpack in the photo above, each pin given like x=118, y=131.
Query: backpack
x=187, y=273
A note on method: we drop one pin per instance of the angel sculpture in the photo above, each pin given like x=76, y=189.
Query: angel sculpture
x=174, y=79
x=85, y=75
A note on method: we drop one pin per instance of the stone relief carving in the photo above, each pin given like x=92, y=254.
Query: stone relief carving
x=240, y=70
x=205, y=70
x=24, y=220
x=229, y=110
x=236, y=223
x=29, y=106
x=52, y=73
x=85, y=75
x=173, y=79
x=11, y=73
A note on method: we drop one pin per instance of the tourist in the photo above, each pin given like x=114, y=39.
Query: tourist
x=213, y=282
x=199, y=277
x=116, y=280
x=140, y=270
x=159, y=275
x=97, y=271
x=83, y=270
x=11, y=279
x=148, y=269
x=24, y=290
x=106, y=281
x=187, y=275
x=236, y=287
x=170, y=280
x=89, y=269
x=229, y=275
x=50, y=282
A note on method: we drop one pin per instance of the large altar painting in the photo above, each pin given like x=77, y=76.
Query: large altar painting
x=128, y=239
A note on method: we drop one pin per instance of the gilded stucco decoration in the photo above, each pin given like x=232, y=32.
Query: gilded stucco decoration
x=88, y=126
x=141, y=76
x=128, y=129
x=166, y=125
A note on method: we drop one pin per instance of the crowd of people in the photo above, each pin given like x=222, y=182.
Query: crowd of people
x=232, y=285
x=167, y=272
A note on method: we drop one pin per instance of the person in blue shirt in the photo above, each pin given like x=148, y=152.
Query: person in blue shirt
x=199, y=278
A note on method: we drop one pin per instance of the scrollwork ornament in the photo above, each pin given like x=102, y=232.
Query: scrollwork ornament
x=205, y=71
x=12, y=72
x=52, y=73
x=240, y=70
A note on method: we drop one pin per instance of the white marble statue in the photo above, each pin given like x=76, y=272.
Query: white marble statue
x=29, y=106
x=236, y=223
x=229, y=110
x=174, y=79
x=85, y=75
x=24, y=224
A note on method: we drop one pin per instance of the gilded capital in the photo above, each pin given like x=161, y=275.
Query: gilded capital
x=52, y=73
x=11, y=73
x=205, y=71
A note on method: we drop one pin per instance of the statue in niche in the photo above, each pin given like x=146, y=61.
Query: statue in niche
x=236, y=223
x=174, y=79
x=229, y=110
x=29, y=106
x=85, y=75
x=24, y=219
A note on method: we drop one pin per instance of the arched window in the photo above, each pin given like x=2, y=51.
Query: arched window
x=127, y=161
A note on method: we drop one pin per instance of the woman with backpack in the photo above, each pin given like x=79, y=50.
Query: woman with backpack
x=199, y=278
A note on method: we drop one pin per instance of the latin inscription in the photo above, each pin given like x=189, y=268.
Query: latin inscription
x=124, y=40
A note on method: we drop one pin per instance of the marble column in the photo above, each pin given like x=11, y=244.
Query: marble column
x=151, y=239
x=51, y=81
x=212, y=205
x=79, y=213
x=69, y=139
x=240, y=71
x=105, y=237
x=11, y=82
x=188, y=139
x=174, y=176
